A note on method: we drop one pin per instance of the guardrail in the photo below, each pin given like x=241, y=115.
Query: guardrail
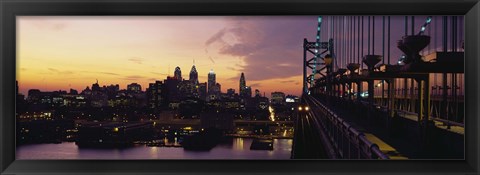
x=347, y=141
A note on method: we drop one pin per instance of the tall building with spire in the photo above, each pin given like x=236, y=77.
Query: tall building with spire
x=177, y=74
x=211, y=81
x=194, y=75
x=243, y=85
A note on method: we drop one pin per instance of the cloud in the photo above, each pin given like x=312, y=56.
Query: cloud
x=270, y=47
x=256, y=85
x=105, y=73
x=136, y=60
x=287, y=81
x=133, y=77
x=108, y=73
x=217, y=37
x=60, y=72
x=232, y=68
x=156, y=73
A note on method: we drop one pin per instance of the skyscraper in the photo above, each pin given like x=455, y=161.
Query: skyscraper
x=243, y=84
x=211, y=81
x=154, y=95
x=194, y=75
x=177, y=74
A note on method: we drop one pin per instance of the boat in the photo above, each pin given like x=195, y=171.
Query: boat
x=262, y=144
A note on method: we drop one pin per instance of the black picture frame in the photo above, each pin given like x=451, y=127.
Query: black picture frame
x=11, y=8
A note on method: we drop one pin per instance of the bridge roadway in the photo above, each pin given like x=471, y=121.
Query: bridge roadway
x=308, y=141
x=406, y=143
x=386, y=148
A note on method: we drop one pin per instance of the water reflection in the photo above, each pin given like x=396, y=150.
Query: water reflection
x=238, y=142
x=234, y=148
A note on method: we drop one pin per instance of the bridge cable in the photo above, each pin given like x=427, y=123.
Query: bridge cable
x=363, y=42
x=373, y=35
x=358, y=39
x=388, y=40
x=368, y=35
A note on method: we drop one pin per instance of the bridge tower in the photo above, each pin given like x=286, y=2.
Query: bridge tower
x=319, y=63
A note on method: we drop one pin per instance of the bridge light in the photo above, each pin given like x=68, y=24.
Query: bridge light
x=429, y=19
x=307, y=108
x=300, y=108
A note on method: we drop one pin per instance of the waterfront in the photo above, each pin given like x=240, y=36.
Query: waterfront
x=237, y=148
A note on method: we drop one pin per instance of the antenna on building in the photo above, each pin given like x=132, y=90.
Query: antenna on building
x=97, y=81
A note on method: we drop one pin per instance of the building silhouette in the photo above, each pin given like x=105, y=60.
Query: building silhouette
x=243, y=85
x=211, y=81
x=194, y=75
x=177, y=74
x=155, y=96
x=202, y=91
x=134, y=87
x=278, y=98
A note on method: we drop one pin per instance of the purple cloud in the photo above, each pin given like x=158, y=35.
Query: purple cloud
x=269, y=46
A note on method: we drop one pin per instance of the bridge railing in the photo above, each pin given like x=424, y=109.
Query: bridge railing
x=347, y=141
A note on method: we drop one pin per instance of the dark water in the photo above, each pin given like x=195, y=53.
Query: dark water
x=238, y=148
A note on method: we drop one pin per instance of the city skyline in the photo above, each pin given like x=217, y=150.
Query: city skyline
x=57, y=53
x=63, y=52
x=144, y=88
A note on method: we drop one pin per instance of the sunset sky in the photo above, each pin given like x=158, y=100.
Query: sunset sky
x=59, y=53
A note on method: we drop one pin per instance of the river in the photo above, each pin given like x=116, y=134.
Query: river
x=237, y=148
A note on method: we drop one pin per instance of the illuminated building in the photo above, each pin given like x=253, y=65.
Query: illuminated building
x=134, y=87
x=211, y=81
x=292, y=99
x=186, y=88
x=154, y=95
x=278, y=98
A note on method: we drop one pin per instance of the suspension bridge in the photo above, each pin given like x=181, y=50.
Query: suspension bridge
x=371, y=99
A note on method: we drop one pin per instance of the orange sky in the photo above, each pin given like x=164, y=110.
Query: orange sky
x=59, y=53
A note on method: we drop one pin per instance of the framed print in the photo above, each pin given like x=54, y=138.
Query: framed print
x=278, y=87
